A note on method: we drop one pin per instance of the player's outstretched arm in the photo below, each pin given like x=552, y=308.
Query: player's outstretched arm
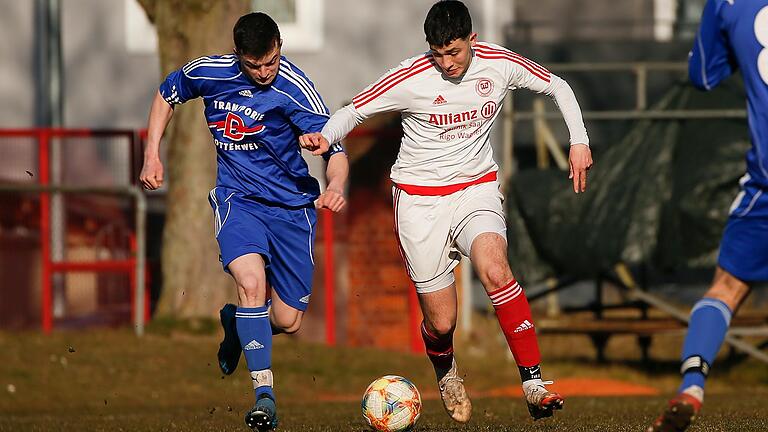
x=580, y=161
x=336, y=174
x=160, y=114
x=541, y=80
x=315, y=142
x=336, y=129
x=580, y=155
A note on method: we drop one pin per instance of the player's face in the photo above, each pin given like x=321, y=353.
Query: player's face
x=261, y=70
x=455, y=57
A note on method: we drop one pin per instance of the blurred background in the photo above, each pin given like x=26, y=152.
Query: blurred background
x=89, y=261
x=81, y=247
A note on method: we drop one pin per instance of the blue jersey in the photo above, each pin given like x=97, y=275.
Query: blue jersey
x=255, y=128
x=734, y=35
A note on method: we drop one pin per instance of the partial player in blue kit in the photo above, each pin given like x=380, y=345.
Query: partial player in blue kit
x=257, y=104
x=733, y=36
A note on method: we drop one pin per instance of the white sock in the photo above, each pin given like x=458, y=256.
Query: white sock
x=695, y=391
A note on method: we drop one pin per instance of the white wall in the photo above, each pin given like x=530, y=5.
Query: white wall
x=105, y=85
x=17, y=81
x=364, y=38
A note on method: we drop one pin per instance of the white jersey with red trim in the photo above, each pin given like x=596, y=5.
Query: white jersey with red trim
x=447, y=122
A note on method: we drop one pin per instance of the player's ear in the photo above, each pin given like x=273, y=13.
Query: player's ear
x=472, y=39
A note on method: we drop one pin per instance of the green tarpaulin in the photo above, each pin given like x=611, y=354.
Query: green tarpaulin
x=660, y=197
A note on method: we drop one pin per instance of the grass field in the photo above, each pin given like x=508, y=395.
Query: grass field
x=108, y=380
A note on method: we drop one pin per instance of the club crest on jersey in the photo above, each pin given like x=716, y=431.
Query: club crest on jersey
x=484, y=87
x=234, y=127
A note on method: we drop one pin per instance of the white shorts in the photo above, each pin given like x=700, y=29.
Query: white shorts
x=434, y=231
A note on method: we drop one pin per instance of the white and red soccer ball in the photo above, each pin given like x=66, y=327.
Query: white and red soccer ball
x=391, y=404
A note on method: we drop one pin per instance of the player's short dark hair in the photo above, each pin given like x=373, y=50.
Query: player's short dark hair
x=446, y=21
x=255, y=34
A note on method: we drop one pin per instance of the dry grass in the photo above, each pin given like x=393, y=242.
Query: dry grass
x=168, y=380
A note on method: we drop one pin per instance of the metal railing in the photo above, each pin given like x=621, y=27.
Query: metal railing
x=137, y=263
x=640, y=71
x=546, y=145
x=135, y=266
x=628, y=29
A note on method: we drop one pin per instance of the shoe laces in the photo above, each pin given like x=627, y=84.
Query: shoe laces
x=450, y=376
x=536, y=389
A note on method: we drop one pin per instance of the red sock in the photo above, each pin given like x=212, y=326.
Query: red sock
x=439, y=348
x=516, y=323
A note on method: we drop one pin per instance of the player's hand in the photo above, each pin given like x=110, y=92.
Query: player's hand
x=151, y=176
x=314, y=142
x=580, y=161
x=332, y=199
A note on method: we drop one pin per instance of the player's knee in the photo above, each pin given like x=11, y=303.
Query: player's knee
x=287, y=324
x=496, y=275
x=252, y=290
x=728, y=289
x=292, y=328
x=285, y=328
x=730, y=295
x=442, y=327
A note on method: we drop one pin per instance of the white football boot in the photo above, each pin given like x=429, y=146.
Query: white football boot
x=454, y=396
x=541, y=402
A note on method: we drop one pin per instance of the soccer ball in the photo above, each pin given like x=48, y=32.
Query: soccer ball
x=391, y=404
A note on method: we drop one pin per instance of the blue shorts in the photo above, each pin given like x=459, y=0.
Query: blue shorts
x=283, y=236
x=744, y=247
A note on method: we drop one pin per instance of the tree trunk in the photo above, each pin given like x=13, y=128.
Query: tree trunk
x=194, y=284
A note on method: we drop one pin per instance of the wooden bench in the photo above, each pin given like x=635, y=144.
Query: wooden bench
x=637, y=312
x=601, y=329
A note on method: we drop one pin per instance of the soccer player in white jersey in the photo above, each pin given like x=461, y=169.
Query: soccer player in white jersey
x=446, y=194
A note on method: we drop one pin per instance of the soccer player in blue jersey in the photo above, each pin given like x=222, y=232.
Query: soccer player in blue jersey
x=257, y=103
x=733, y=36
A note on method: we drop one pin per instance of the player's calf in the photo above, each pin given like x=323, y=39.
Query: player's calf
x=440, y=352
x=283, y=325
x=516, y=322
x=284, y=318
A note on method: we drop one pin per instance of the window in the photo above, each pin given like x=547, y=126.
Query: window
x=140, y=34
x=300, y=21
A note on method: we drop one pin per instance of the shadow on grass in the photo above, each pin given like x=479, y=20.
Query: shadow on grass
x=197, y=326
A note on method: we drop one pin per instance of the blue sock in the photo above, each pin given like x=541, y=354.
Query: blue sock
x=709, y=322
x=255, y=334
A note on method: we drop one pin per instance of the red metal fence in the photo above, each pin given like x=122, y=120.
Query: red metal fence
x=132, y=266
x=45, y=187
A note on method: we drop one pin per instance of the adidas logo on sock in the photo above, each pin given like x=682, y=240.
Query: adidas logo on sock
x=305, y=299
x=524, y=326
x=439, y=100
x=252, y=345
